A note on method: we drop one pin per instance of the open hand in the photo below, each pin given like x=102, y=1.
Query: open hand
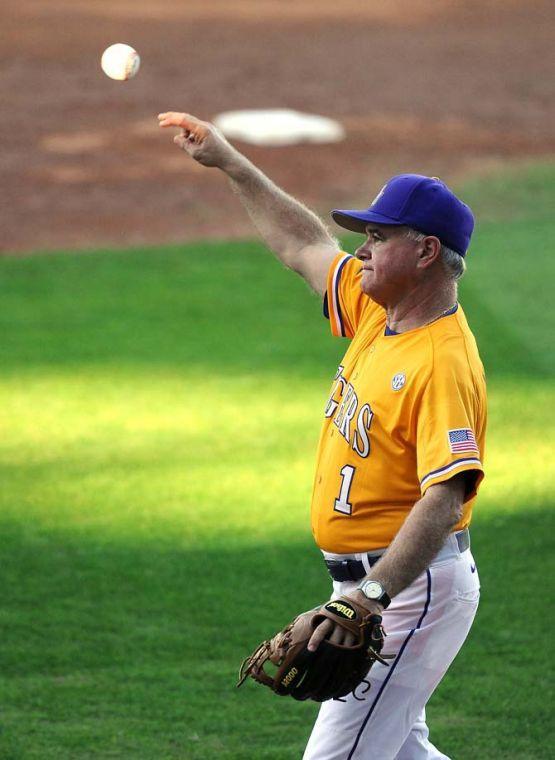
x=335, y=633
x=200, y=139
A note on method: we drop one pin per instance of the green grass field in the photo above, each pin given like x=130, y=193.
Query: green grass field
x=159, y=412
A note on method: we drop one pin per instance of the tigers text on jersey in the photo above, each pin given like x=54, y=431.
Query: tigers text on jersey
x=405, y=411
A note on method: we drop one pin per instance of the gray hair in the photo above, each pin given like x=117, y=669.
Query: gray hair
x=453, y=263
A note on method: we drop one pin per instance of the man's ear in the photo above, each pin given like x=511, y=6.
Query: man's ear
x=430, y=249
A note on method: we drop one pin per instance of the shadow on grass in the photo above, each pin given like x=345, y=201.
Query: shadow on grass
x=171, y=308
x=503, y=352
x=162, y=308
x=134, y=647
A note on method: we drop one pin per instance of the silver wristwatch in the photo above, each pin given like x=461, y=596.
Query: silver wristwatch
x=375, y=591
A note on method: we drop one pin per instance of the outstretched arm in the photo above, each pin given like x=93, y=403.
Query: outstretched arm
x=293, y=232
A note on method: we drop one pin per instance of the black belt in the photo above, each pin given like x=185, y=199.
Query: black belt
x=349, y=569
x=354, y=569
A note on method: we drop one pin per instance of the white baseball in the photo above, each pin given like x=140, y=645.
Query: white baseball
x=120, y=61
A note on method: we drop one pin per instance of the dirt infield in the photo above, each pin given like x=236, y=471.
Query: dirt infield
x=434, y=86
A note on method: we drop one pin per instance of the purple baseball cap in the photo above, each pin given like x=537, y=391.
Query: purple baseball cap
x=424, y=203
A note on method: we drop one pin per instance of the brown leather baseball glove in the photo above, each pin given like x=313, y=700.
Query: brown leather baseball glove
x=333, y=670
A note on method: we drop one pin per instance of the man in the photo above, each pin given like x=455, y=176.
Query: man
x=400, y=454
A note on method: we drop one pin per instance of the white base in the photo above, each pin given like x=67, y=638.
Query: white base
x=279, y=126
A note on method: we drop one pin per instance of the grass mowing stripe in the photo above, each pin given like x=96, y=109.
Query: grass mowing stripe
x=153, y=474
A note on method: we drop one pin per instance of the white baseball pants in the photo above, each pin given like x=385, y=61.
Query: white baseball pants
x=426, y=625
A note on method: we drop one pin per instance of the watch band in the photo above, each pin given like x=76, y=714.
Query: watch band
x=376, y=592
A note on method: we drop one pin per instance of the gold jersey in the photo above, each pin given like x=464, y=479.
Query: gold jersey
x=405, y=411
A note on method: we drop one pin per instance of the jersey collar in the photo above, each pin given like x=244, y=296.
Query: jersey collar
x=452, y=310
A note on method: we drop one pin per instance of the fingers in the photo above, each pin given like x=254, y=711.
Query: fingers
x=181, y=140
x=334, y=633
x=350, y=639
x=194, y=132
x=185, y=121
x=341, y=636
x=175, y=119
x=320, y=633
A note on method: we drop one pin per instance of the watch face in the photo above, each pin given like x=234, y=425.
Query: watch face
x=373, y=590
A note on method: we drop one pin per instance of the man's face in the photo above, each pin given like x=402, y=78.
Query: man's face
x=389, y=263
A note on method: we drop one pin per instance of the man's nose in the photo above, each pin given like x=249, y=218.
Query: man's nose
x=364, y=251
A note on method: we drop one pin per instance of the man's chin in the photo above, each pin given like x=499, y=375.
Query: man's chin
x=372, y=292
x=367, y=288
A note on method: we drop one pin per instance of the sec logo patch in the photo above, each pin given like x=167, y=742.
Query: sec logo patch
x=398, y=381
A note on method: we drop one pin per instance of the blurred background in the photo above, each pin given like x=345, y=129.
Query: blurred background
x=163, y=379
x=443, y=87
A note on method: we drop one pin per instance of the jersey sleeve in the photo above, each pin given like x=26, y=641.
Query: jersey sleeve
x=451, y=421
x=344, y=302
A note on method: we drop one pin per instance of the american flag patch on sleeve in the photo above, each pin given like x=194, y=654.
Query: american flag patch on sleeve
x=462, y=441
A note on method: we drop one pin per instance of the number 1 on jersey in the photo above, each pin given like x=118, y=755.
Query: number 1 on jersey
x=342, y=503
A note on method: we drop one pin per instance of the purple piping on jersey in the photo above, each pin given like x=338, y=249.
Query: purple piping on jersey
x=337, y=278
x=451, y=465
x=392, y=668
